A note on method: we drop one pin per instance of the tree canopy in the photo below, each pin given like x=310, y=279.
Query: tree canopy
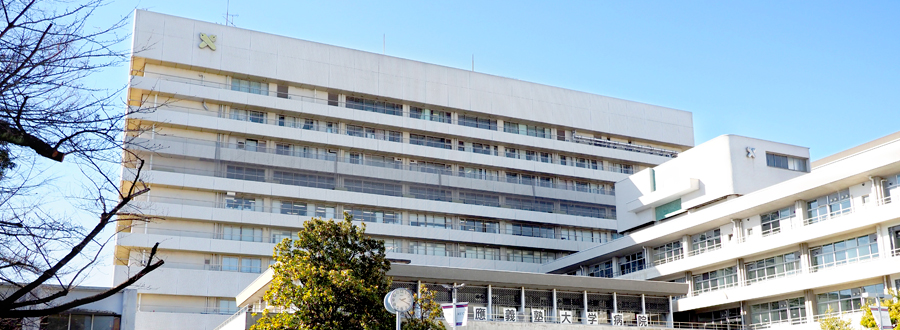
x=332, y=276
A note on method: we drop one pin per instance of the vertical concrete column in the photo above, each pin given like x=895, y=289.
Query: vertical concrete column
x=741, y=272
x=585, y=305
x=686, y=245
x=745, y=313
x=884, y=241
x=800, y=211
x=648, y=257
x=615, y=266
x=615, y=303
x=670, y=318
x=522, y=300
x=805, y=260
x=810, y=305
x=737, y=230
x=876, y=191
x=689, y=279
x=490, y=306
x=643, y=304
x=554, y=314
x=886, y=279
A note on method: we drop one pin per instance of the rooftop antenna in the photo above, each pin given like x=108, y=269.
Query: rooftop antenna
x=229, y=18
x=473, y=62
x=383, y=43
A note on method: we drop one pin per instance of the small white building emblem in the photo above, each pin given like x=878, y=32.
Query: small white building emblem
x=208, y=41
x=751, y=152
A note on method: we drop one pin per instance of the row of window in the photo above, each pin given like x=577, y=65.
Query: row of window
x=420, y=191
x=392, y=217
x=426, y=140
x=471, y=252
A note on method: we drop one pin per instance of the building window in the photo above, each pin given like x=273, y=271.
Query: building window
x=238, y=233
x=530, y=256
x=583, y=210
x=479, y=252
x=529, y=130
x=791, y=311
x=243, y=265
x=730, y=316
x=786, y=162
x=240, y=203
x=667, y=253
x=374, y=216
x=704, y=242
x=531, y=231
x=631, y=263
x=479, y=199
x=583, y=235
x=429, y=193
x=393, y=245
x=829, y=206
x=248, y=115
x=428, y=248
x=663, y=210
x=478, y=122
x=292, y=208
x=430, y=141
x=847, y=300
x=774, y=267
x=844, y=252
x=80, y=321
x=245, y=173
x=249, y=86
x=389, y=108
x=325, y=212
x=603, y=269
x=432, y=115
x=428, y=220
x=305, y=180
x=715, y=280
x=369, y=187
x=771, y=222
x=481, y=226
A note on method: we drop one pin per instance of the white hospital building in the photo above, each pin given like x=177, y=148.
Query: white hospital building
x=461, y=171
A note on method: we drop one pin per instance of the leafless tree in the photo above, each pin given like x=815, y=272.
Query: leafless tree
x=52, y=119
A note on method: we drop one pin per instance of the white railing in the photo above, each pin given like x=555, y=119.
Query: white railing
x=707, y=248
x=774, y=276
x=848, y=261
x=828, y=216
x=240, y=313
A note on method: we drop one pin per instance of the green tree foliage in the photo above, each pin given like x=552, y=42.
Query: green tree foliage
x=834, y=322
x=430, y=312
x=893, y=306
x=331, y=277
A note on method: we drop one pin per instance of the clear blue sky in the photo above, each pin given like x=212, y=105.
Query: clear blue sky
x=818, y=74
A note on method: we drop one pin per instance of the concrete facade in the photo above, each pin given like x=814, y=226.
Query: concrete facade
x=452, y=168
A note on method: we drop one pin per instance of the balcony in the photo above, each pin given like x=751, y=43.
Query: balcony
x=364, y=105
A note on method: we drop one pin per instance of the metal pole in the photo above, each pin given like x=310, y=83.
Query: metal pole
x=398, y=320
x=454, y=307
x=878, y=303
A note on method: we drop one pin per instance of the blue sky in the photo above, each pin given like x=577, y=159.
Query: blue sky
x=818, y=74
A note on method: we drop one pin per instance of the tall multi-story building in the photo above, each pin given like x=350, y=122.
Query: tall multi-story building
x=762, y=236
x=256, y=133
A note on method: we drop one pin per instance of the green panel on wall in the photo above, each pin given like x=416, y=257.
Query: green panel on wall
x=667, y=208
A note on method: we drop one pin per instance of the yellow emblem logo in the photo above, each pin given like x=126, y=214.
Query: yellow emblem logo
x=208, y=41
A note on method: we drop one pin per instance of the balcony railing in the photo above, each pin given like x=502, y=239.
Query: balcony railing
x=276, y=238
x=519, y=179
x=773, y=276
x=405, y=113
x=186, y=309
x=705, y=249
x=828, y=216
x=848, y=261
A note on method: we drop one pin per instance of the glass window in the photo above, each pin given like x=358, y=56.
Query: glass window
x=251, y=265
x=847, y=300
x=325, y=212
x=667, y=253
x=249, y=86
x=715, y=280
x=774, y=267
x=293, y=208
x=230, y=264
x=631, y=263
x=786, y=162
x=771, y=222
x=603, y=269
x=481, y=226
x=791, y=311
x=844, y=252
x=708, y=241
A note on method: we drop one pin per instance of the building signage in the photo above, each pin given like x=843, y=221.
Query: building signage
x=480, y=314
x=643, y=320
x=566, y=317
x=593, y=318
x=509, y=314
x=208, y=41
x=537, y=315
x=618, y=319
